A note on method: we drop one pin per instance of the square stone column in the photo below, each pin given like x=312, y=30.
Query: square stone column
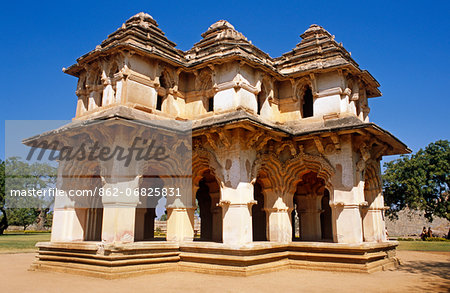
x=374, y=225
x=348, y=228
x=119, y=212
x=180, y=210
x=278, y=214
x=347, y=195
x=180, y=224
x=118, y=222
x=236, y=210
x=280, y=225
x=68, y=224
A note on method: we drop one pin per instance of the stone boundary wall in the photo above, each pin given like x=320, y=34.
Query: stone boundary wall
x=410, y=223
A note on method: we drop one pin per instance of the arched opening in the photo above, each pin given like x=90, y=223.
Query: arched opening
x=84, y=106
x=100, y=99
x=93, y=211
x=159, y=97
x=259, y=221
x=210, y=104
x=295, y=221
x=325, y=217
x=208, y=213
x=358, y=107
x=151, y=208
x=159, y=100
x=261, y=98
x=308, y=203
x=96, y=83
x=308, y=103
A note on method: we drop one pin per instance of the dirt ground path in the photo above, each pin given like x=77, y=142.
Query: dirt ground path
x=420, y=272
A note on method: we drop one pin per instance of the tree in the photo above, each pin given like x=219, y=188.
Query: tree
x=163, y=217
x=16, y=174
x=420, y=182
x=22, y=216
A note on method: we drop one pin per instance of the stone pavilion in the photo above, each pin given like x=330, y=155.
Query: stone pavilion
x=285, y=169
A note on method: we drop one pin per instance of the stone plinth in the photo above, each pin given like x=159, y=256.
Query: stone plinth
x=118, y=261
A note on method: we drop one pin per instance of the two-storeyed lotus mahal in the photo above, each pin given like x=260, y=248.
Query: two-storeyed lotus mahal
x=285, y=163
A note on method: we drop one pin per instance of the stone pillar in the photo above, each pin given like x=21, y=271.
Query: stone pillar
x=119, y=88
x=236, y=206
x=81, y=105
x=374, y=226
x=279, y=217
x=108, y=94
x=93, y=98
x=180, y=224
x=118, y=222
x=119, y=212
x=373, y=219
x=347, y=195
x=180, y=211
x=348, y=228
x=68, y=224
x=280, y=226
x=232, y=169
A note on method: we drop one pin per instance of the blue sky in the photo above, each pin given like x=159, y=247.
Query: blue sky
x=404, y=44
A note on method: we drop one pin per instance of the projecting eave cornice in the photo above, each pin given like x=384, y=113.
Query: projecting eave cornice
x=298, y=130
x=152, y=52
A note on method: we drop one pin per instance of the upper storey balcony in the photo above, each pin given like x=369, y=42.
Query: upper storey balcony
x=138, y=67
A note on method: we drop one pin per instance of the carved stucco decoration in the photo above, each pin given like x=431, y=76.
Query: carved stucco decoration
x=283, y=176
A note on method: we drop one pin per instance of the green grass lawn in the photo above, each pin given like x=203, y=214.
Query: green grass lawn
x=21, y=242
x=424, y=245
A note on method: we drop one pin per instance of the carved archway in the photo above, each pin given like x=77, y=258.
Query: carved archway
x=206, y=190
x=283, y=176
x=279, y=173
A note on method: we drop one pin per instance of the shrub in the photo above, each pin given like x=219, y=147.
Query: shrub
x=406, y=239
x=436, y=239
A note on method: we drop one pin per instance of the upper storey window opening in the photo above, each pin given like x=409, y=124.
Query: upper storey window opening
x=159, y=100
x=260, y=99
x=210, y=104
x=308, y=103
x=100, y=99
